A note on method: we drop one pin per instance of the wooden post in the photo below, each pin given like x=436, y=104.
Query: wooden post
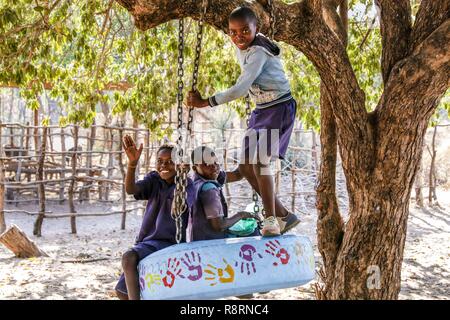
x=50, y=143
x=149, y=161
x=11, y=138
x=122, y=171
x=110, y=163
x=36, y=141
x=27, y=146
x=73, y=224
x=2, y=186
x=17, y=241
x=90, y=147
x=147, y=151
x=63, y=167
x=418, y=183
x=36, y=132
x=135, y=137
x=21, y=153
x=432, y=177
x=37, y=230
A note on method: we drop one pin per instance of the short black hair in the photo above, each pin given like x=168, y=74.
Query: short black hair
x=199, y=154
x=243, y=13
x=166, y=146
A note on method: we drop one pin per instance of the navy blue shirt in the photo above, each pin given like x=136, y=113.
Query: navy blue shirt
x=158, y=224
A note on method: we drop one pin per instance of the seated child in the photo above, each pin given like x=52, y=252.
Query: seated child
x=158, y=228
x=209, y=214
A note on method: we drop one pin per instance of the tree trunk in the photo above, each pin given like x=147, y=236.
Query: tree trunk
x=90, y=147
x=123, y=174
x=73, y=222
x=37, y=231
x=63, y=166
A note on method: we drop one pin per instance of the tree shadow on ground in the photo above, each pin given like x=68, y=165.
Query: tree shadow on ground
x=431, y=281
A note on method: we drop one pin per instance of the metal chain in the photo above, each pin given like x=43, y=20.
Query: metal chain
x=271, y=20
x=248, y=112
x=198, y=49
x=248, y=109
x=179, y=205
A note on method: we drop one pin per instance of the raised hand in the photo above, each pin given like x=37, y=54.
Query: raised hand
x=132, y=152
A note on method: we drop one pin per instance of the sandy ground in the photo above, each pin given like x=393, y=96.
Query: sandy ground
x=425, y=272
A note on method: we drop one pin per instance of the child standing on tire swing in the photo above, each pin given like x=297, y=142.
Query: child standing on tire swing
x=272, y=121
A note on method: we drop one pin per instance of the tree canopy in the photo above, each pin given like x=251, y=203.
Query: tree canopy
x=82, y=51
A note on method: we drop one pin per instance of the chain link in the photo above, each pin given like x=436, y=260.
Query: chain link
x=248, y=112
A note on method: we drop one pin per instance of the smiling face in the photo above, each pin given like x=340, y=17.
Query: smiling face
x=209, y=168
x=165, y=166
x=242, y=32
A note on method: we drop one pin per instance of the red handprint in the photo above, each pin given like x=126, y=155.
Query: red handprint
x=194, y=266
x=274, y=248
x=247, y=253
x=173, y=270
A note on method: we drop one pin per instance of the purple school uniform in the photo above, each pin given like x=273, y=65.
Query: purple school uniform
x=158, y=228
x=280, y=116
x=209, y=203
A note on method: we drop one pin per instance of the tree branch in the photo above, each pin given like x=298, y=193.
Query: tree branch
x=410, y=98
x=395, y=23
x=430, y=16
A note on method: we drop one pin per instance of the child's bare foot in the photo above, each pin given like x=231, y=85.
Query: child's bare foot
x=270, y=227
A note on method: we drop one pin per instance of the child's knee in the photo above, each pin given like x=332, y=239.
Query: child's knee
x=129, y=259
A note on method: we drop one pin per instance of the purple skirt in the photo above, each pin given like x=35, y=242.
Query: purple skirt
x=269, y=131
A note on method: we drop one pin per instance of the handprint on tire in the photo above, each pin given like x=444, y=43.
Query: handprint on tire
x=223, y=275
x=248, y=253
x=193, y=265
x=173, y=270
x=152, y=279
x=274, y=248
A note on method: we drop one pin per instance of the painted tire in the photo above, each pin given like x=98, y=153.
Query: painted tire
x=226, y=267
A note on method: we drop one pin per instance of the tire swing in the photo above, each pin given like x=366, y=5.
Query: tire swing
x=213, y=269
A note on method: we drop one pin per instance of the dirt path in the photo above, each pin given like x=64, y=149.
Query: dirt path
x=426, y=269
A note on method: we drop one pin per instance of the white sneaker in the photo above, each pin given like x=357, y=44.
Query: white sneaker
x=270, y=227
